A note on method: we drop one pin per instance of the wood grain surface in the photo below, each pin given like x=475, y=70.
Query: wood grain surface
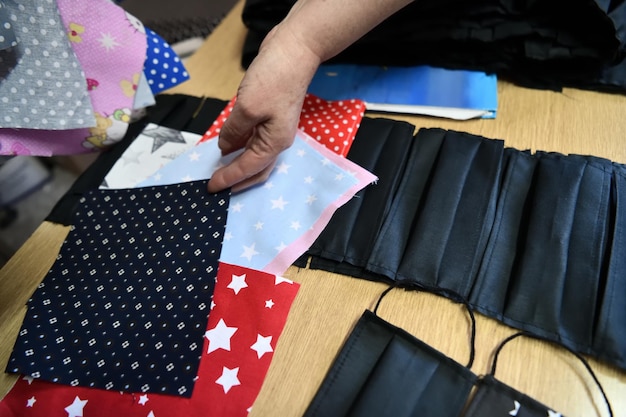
x=328, y=305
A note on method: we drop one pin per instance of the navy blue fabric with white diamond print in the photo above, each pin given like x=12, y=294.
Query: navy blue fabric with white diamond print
x=125, y=305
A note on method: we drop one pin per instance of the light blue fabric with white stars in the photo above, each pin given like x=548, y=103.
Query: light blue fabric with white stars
x=270, y=225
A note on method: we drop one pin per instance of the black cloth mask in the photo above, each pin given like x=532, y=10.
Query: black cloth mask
x=382, y=370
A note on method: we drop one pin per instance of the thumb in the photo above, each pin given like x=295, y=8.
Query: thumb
x=237, y=130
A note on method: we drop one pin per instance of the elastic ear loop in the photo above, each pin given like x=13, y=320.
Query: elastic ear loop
x=446, y=293
x=582, y=359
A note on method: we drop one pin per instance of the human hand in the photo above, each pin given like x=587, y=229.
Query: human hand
x=265, y=116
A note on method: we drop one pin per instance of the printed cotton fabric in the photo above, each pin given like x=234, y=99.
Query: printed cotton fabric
x=118, y=72
x=248, y=314
x=7, y=33
x=125, y=304
x=42, y=85
x=154, y=148
x=332, y=123
x=163, y=67
x=326, y=181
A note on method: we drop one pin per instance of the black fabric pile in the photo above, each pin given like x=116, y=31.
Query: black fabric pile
x=540, y=44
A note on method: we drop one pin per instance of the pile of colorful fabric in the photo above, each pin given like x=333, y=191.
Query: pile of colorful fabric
x=74, y=74
x=166, y=300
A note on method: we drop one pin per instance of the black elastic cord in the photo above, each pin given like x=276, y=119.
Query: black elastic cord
x=454, y=296
x=580, y=357
x=382, y=295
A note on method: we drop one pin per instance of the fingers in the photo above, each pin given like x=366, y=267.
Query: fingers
x=237, y=130
x=246, y=170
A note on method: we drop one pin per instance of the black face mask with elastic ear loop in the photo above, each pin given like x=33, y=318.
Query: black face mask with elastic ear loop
x=495, y=399
x=384, y=371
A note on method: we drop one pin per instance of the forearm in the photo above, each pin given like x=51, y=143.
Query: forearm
x=327, y=27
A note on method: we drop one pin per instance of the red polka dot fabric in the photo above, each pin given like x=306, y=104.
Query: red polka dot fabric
x=332, y=123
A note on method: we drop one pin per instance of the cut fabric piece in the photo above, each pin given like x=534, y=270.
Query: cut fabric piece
x=332, y=123
x=176, y=111
x=143, y=94
x=111, y=47
x=272, y=224
x=162, y=67
x=7, y=33
x=154, y=148
x=125, y=304
x=242, y=332
x=42, y=84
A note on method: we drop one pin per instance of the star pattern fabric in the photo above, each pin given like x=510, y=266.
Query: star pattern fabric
x=272, y=224
x=332, y=123
x=154, y=148
x=125, y=305
x=42, y=85
x=230, y=375
x=163, y=67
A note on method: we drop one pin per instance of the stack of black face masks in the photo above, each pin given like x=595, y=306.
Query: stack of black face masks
x=549, y=45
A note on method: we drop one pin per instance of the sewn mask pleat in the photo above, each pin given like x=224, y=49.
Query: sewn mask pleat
x=383, y=370
x=537, y=283
x=351, y=369
x=379, y=147
x=377, y=200
x=396, y=230
x=586, y=253
x=610, y=332
x=490, y=287
x=422, y=383
x=449, y=237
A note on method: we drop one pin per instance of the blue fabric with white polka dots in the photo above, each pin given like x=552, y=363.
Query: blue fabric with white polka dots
x=125, y=305
x=163, y=67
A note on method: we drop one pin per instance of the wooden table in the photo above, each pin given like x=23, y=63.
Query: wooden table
x=328, y=305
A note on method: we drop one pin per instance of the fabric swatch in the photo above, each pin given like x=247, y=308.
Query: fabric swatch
x=154, y=148
x=125, y=304
x=163, y=67
x=272, y=224
x=332, y=123
x=143, y=94
x=7, y=35
x=42, y=83
x=246, y=321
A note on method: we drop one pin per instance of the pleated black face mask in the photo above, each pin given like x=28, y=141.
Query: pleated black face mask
x=384, y=371
x=495, y=399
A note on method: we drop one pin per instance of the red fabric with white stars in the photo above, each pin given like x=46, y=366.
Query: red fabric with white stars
x=248, y=315
x=332, y=123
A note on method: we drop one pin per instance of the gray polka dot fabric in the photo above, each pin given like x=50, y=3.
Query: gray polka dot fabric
x=7, y=36
x=42, y=85
x=126, y=304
